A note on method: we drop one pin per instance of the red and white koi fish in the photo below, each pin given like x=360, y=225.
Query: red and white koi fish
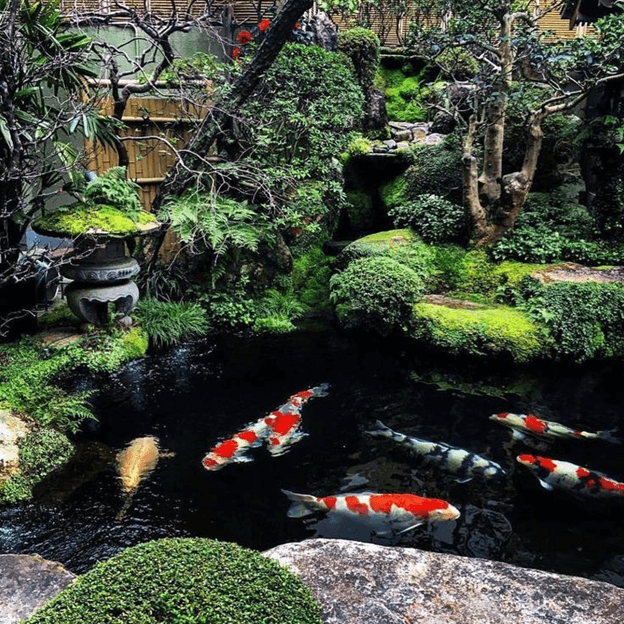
x=531, y=424
x=234, y=449
x=280, y=429
x=393, y=513
x=463, y=464
x=283, y=424
x=562, y=475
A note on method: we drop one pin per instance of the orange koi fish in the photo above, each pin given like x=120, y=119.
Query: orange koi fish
x=532, y=425
x=392, y=513
x=280, y=430
x=556, y=474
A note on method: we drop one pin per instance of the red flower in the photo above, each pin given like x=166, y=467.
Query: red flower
x=236, y=53
x=296, y=25
x=264, y=24
x=244, y=37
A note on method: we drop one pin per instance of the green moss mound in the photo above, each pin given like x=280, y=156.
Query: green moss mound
x=80, y=219
x=482, y=332
x=181, y=581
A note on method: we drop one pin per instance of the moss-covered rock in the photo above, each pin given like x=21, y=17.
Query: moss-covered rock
x=482, y=331
x=379, y=244
x=184, y=580
x=102, y=219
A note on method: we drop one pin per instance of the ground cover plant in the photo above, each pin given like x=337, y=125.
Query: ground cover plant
x=184, y=580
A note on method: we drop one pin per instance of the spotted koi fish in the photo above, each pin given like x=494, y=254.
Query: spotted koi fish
x=532, y=425
x=556, y=474
x=234, y=449
x=392, y=513
x=280, y=430
x=283, y=424
x=464, y=464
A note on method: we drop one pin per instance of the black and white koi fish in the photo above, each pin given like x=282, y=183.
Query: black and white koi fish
x=464, y=464
x=386, y=514
x=562, y=475
x=528, y=423
x=280, y=430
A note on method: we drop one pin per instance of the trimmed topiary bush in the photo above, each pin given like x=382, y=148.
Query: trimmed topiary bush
x=181, y=581
x=375, y=294
x=362, y=46
x=458, y=63
x=481, y=331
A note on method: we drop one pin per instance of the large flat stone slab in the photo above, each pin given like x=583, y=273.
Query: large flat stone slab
x=358, y=583
x=27, y=582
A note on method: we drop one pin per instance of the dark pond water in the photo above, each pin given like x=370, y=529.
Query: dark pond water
x=200, y=393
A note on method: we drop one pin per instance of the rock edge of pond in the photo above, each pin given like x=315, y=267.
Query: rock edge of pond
x=370, y=584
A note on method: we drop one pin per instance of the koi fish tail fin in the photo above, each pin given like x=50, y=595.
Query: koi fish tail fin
x=382, y=431
x=301, y=504
x=609, y=436
x=321, y=390
x=126, y=505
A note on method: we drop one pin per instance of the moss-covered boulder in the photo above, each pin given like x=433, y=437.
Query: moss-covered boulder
x=184, y=580
x=478, y=330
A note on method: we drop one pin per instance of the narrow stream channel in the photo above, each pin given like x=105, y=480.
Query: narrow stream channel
x=197, y=394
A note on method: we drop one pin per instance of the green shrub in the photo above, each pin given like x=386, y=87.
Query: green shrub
x=548, y=231
x=362, y=46
x=458, y=63
x=436, y=219
x=585, y=320
x=169, y=322
x=481, y=332
x=276, y=311
x=379, y=244
x=182, y=581
x=308, y=124
x=375, y=294
x=448, y=266
x=40, y=453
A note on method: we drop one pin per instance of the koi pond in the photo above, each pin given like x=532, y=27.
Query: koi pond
x=196, y=395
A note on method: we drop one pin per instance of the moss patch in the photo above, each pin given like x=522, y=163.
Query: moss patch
x=80, y=219
x=483, y=331
x=184, y=580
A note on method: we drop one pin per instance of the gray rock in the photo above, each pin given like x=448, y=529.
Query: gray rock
x=325, y=32
x=12, y=429
x=27, y=582
x=375, y=107
x=390, y=144
x=434, y=139
x=402, y=135
x=358, y=583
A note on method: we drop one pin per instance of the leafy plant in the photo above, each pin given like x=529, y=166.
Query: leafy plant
x=169, y=322
x=436, y=219
x=375, y=294
x=191, y=580
x=585, y=320
x=112, y=188
x=222, y=225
